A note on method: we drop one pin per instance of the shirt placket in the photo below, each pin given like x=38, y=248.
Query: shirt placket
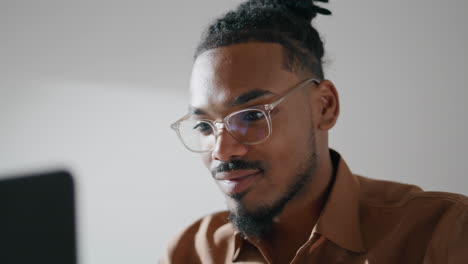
x=314, y=242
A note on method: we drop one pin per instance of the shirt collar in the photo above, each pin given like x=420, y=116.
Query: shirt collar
x=339, y=220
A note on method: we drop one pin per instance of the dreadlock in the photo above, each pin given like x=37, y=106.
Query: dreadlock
x=286, y=22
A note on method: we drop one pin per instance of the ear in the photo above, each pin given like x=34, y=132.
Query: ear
x=328, y=105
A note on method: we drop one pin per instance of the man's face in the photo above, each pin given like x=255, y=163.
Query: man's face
x=231, y=78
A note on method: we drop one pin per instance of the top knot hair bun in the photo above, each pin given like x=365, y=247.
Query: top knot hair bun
x=284, y=22
x=305, y=9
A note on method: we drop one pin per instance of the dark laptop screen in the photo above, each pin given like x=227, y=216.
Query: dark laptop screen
x=37, y=219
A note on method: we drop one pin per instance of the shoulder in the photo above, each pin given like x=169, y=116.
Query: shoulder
x=401, y=200
x=382, y=193
x=437, y=220
x=194, y=242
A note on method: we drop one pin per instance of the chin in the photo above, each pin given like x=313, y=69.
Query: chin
x=247, y=202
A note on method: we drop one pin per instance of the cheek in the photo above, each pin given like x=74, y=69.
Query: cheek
x=290, y=143
x=291, y=132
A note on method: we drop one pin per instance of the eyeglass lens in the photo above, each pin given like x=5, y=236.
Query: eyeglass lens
x=247, y=126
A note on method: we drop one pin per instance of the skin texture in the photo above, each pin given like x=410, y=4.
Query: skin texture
x=300, y=125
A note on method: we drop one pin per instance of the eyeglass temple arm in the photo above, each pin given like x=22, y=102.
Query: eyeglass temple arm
x=301, y=85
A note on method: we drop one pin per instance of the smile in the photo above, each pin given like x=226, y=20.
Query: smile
x=238, y=181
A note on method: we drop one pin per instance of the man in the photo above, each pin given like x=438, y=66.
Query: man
x=259, y=116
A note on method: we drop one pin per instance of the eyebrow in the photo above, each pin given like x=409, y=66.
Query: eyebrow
x=196, y=111
x=249, y=96
x=239, y=100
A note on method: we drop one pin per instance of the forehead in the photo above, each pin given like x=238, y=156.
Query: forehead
x=220, y=75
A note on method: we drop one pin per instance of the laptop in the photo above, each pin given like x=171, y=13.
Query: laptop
x=37, y=219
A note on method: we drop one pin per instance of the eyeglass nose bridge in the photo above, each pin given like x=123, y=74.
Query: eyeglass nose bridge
x=219, y=125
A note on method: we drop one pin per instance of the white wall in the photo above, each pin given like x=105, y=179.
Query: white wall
x=93, y=86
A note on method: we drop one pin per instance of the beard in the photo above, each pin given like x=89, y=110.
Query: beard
x=258, y=223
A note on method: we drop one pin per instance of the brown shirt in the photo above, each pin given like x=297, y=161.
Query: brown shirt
x=364, y=221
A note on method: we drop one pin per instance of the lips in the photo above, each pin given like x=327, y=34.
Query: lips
x=235, y=175
x=233, y=182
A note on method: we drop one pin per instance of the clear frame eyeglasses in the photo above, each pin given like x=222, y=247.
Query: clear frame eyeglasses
x=248, y=126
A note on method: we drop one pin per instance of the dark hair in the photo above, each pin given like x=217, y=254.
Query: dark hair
x=286, y=22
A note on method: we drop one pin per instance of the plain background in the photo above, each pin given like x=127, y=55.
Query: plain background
x=93, y=86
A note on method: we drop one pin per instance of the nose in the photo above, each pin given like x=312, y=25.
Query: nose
x=227, y=147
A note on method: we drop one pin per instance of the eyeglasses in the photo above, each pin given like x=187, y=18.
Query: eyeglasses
x=248, y=126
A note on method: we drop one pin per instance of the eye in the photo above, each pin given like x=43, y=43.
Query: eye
x=252, y=116
x=204, y=128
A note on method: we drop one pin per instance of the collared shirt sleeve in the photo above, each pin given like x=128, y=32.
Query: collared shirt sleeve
x=180, y=248
x=449, y=243
x=208, y=240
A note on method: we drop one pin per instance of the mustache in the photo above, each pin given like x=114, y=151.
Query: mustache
x=237, y=165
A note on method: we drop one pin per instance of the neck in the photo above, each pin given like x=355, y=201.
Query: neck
x=307, y=205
